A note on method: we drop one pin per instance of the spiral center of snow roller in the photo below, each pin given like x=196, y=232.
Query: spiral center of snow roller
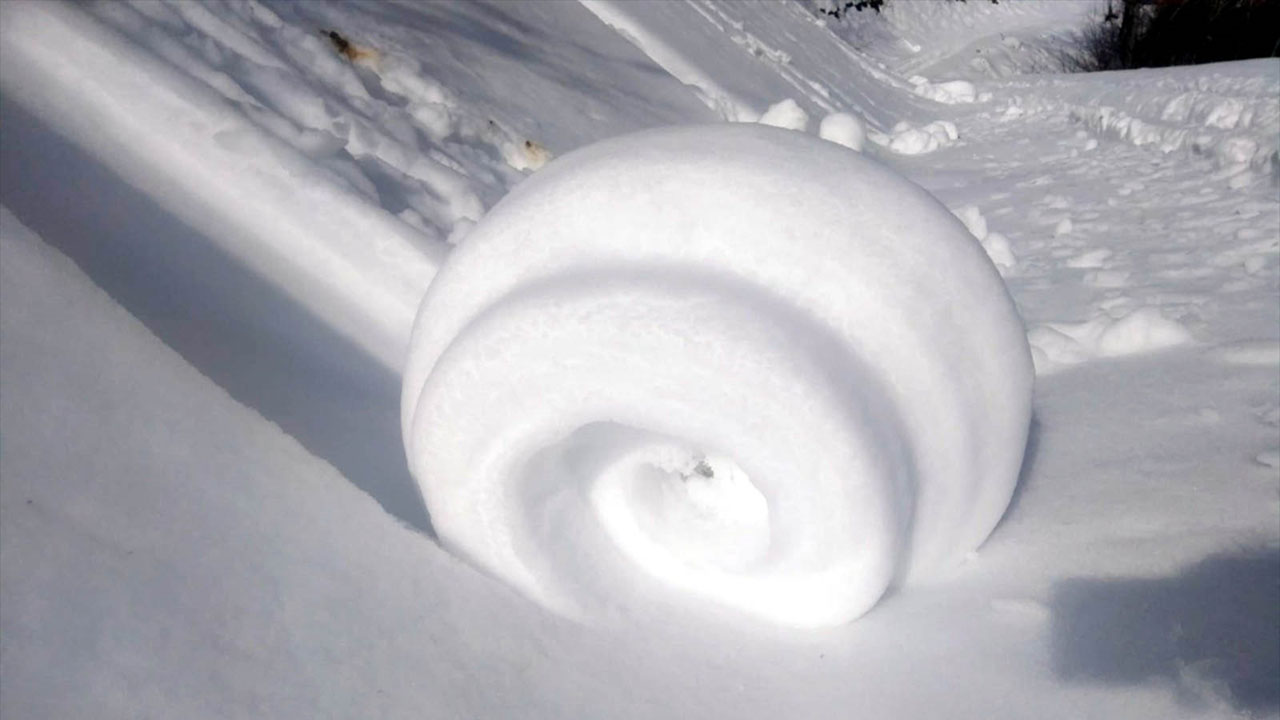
x=764, y=370
x=668, y=504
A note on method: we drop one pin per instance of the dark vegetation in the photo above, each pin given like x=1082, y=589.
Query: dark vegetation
x=836, y=8
x=1158, y=33
x=1152, y=33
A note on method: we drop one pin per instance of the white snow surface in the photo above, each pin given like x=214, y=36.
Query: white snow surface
x=644, y=283
x=949, y=93
x=209, y=164
x=203, y=489
x=786, y=114
x=844, y=129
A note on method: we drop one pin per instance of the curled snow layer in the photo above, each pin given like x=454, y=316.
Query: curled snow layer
x=736, y=363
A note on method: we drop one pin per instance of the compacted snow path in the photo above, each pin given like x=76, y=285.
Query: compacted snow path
x=273, y=209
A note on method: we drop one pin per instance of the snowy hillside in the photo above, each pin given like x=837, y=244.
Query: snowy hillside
x=219, y=221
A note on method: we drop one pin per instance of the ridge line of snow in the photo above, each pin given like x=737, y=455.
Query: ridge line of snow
x=729, y=106
x=180, y=143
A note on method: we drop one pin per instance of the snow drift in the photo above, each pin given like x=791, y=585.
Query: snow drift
x=757, y=368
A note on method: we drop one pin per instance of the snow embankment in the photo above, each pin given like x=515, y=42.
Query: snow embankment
x=976, y=40
x=742, y=58
x=301, y=225
x=726, y=103
x=738, y=363
x=1227, y=111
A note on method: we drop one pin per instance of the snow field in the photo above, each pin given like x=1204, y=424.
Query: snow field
x=753, y=381
x=166, y=552
x=1227, y=112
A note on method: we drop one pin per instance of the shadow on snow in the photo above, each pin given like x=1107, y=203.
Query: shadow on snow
x=234, y=327
x=1213, y=630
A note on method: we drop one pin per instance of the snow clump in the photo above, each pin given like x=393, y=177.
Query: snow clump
x=950, y=93
x=682, y=362
x=996, y=245
x=787, y=115
x=1145, y=330
x=844, y=129
x=907, y=139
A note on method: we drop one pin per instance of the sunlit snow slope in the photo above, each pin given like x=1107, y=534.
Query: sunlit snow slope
x=191, y=450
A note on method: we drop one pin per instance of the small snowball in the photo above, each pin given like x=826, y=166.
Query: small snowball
x=843, y=129
x=972, y=218
x=998, y=249
x=1143, y=330
x=909, y=140
x=786, y=114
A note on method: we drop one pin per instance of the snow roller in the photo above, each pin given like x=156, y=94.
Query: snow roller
x=731, y=364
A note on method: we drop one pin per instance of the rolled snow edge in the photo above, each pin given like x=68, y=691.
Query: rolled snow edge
x=719, y=316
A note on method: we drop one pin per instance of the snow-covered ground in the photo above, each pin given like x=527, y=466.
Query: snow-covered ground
x=217, y=230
